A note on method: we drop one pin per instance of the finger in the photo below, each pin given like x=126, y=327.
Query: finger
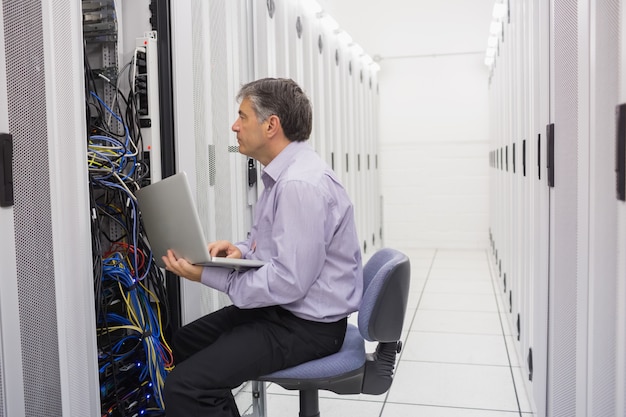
x=218, y=247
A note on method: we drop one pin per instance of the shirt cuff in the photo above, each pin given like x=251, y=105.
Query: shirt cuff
x=243, y=248
x=216, y=277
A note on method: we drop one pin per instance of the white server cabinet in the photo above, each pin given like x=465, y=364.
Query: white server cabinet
x=519, y=102
x=568, y=232
x=336, y=77
x=602, y=358
x=264, y=39
x=357, y=154
x=209, y=55
x=559, y=68
x=350, y=138
x=370, y=177
x=534, y=356
x=11, y=380
x=620, y=322
x=316, y=95
x=49, y=350
x=284, y=43
x=326, y=107
x=295, y=32
x=308, y=46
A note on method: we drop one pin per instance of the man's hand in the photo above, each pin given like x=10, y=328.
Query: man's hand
x=223, y=248
x=181, y=267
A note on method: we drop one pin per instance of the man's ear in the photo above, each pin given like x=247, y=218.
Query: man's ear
x=273, y=125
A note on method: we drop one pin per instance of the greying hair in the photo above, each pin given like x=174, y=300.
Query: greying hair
x=284, y=98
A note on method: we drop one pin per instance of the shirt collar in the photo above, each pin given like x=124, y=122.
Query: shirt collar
x=275, y=168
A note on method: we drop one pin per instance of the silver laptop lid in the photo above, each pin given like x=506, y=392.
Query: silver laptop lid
x=171, y=220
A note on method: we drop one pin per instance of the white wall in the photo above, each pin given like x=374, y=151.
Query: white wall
x=434, y=115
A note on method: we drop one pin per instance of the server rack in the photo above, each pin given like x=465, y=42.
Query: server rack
x=554, y=91
x=48, y=338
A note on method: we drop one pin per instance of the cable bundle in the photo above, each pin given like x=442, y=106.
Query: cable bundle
x=140, y=327
x=131, y=303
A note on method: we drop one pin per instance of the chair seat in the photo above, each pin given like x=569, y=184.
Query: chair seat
x=350, y=358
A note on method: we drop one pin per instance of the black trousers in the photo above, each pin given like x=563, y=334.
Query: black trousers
x=224, y=349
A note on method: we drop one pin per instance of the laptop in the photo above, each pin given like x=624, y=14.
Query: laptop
x=171, y=221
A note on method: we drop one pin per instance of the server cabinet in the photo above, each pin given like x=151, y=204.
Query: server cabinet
x=264, y=39
x=620, y=322
x=211, y=61
x=568, y=232
x=534, y=355
x=555, y=99
x=11, y=380
x=48, y=334
x=602, y=206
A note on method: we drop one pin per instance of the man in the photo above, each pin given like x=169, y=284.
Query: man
x=294, y=309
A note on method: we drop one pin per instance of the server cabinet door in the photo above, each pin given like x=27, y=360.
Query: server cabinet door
x=11, y=394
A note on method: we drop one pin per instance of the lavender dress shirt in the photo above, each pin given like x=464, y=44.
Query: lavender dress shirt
x=304, y=227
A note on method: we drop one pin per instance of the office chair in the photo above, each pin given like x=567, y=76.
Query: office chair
x=386, y=279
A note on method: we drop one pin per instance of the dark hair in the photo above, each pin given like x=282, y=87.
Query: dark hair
x=284, y=98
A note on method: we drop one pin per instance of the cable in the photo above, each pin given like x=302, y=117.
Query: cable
x=132, y=308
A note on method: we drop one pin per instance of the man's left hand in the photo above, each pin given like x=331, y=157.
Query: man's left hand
x=181, y=267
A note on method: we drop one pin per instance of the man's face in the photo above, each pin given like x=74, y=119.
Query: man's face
x=250, y=132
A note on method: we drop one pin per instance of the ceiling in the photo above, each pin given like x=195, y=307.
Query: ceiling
x=406, y=28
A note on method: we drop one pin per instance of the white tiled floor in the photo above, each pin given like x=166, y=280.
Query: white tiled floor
x=455, y=361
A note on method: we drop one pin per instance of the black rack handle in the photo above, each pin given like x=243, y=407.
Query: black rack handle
x=550, y=156
x=620, y=153
x=6, y=170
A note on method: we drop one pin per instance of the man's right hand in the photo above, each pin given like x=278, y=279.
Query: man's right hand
x=223, y=248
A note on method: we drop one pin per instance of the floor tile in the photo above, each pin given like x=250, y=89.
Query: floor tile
x=408, y=318
x=461, y=274
x=288, y=406
x=419, y=273
x=468, y=322
x=422, y=254
x=395, y=410
x=458, y=302
x=415, y=294
x=459, y=287
x=512, y=346
x=451, y=262
x=456, y=348
x=277, y=390
x=520, y=377
x=454, y=385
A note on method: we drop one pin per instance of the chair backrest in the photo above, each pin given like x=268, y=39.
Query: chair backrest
x=386, y=280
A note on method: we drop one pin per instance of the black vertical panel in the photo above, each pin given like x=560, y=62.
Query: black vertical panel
x=506, y=157
x=513, y=158
x=550, y=156
x=168, y=155
x=539, y=156
x=524, y=157
x=6, y=170
x=620, y=153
